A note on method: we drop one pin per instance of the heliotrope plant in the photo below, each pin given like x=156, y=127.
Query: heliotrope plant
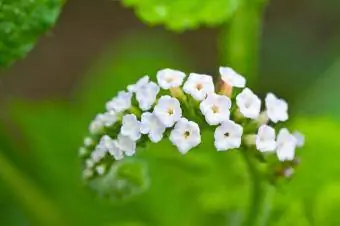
x=179, y=108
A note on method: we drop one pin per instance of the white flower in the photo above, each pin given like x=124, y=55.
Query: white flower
x=100, y=169
x=82, y=152
x=199, y=86
x=130, y=127
x=97, y=125
x=168, y=78
x=139, y=84
x=104, y=145
x=215, y=109
x=152, y=126
x=125, y=144
x=228, y=136
x=106, y=119
x=285, y=146
x=276, y=108
x=147, y=95
x=249, y=104
x=185, y=135
x=89, y=163
x=265, y=139
x=300, y=139
x=115, y=152
x=120, y=103
x=232, y=78
x=168, y=110
x=88, y=141
x=107, y=145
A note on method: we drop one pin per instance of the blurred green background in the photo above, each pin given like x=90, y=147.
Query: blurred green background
x=97, y=48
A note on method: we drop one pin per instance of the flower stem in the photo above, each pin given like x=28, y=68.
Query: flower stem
x=239, y=45
x=256, y=192
x=28, y=195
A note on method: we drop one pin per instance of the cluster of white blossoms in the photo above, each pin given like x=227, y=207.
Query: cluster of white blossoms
x=147, y=110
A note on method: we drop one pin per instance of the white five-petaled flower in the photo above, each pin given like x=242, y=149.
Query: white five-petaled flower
x=277, y=109
x=168, y=78
x=125, y=144
x=120, y=103
x=130, y=127
x=215, y=108
x=265, y=139
x=249, y=104
x=168, y=110
x=285, y=145
x=199, y=86
x=228, y=136
x=139, y=84
x=232, y=78
x=185, y=135
x=152, y=126
x=147, y=95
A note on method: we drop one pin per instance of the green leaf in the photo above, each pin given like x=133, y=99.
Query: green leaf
x=21, y=24
x=181, y=15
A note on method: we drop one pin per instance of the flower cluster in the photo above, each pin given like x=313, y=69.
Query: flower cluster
x=178, y=107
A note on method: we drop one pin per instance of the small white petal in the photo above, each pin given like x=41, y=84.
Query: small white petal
x=199, y=86
x=265, y=139
x=185, y=135
x=89, y=163
x=215, y=108
x=249, y=104
x=82, y=151
x=147, y=95
x=102, y=148
x=97, y=125
x=100, y=169
x=232, y=78
x=139, y=84
x=88, y=141
x=277, y=109
x=168, y=78
x=130, y=127
x=168, y=110
x=300, y=139
x=125, y=144
x=120, y=103
x=285, y=147
x=152, y=126
x=228, y=136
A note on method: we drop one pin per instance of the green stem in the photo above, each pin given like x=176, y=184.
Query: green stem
x=256, y=192
x=28, y=195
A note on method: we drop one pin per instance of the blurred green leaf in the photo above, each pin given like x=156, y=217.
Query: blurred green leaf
x=327, y=205
x=322, y=97
x=21, y=24
x=181, y=15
